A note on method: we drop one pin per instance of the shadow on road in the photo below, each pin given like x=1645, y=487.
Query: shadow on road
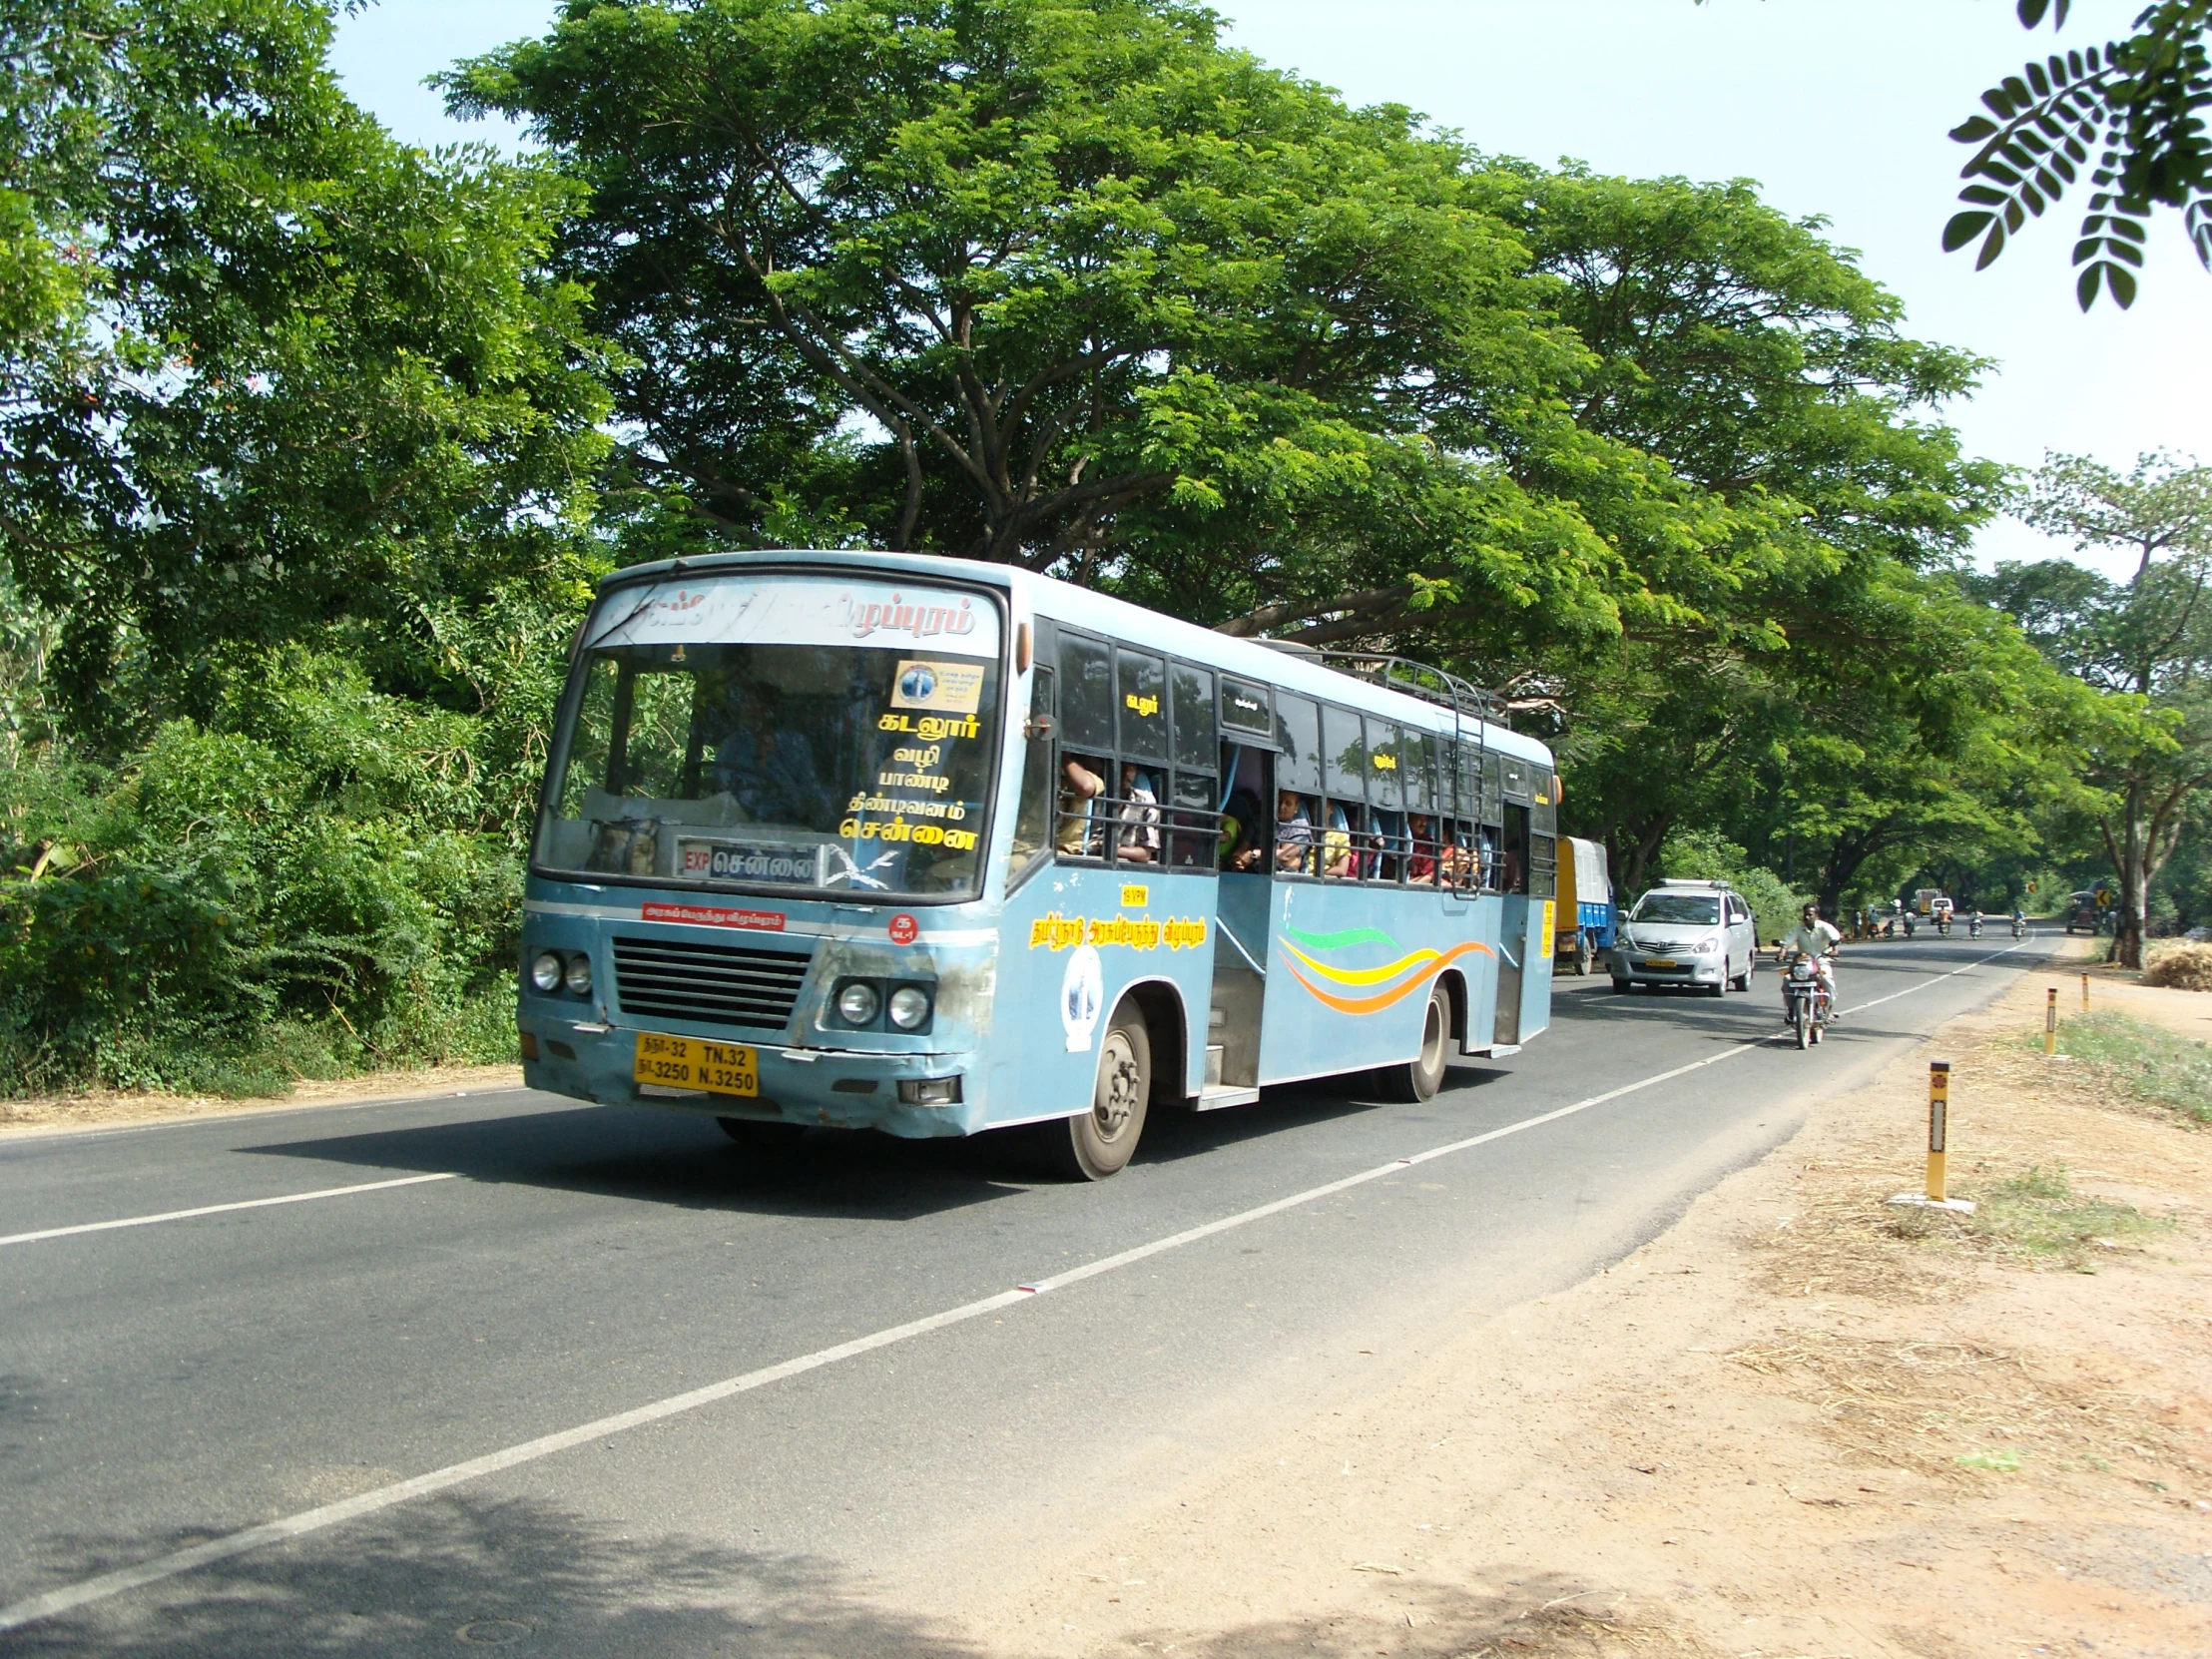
x=455, y=1576
x=683, y=1159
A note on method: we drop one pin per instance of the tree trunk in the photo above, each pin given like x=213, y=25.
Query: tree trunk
x=2129, y=848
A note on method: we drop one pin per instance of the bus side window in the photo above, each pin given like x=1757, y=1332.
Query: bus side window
x=1543, y=866
x=1298, y=777
x=1033, y=813
x=1086, y=694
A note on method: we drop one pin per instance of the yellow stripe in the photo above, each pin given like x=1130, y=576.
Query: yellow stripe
x=1361, y=977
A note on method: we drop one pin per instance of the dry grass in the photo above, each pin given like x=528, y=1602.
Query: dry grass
x=2180, y=965
x=1954, y=1410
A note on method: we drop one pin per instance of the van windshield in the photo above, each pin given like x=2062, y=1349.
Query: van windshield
x=1680, y=910
x=781, y=732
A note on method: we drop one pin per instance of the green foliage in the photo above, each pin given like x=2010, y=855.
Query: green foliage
x=2147, y=1062
x=303, y=880
x=2041, y=1215
x=2129, y=114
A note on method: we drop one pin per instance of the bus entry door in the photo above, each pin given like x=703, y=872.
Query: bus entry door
x=1240, y=979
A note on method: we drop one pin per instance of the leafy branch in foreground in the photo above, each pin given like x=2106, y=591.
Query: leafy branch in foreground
x=2135, y=105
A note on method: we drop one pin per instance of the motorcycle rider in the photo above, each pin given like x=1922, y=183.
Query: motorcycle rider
x=2019, y=921
x=1818, y=939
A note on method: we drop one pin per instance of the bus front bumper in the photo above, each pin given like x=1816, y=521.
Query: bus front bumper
x=916, y=1095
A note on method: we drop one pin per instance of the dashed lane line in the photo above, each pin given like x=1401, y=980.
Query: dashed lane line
x=45, y=1233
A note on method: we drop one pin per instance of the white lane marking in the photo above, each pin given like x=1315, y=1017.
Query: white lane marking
x=220, y=1209
x=34, y=1608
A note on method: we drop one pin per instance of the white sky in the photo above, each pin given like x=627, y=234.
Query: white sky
x=1836, y=106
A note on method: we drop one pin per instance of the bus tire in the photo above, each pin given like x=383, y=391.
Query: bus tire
x=1421, y=1078
x=762, y=1136
x=1095, y=1143
x=1581, y=956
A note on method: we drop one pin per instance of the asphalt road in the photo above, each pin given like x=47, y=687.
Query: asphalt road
x=164, y=1386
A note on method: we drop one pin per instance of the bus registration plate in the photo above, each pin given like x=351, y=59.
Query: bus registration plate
x=695, y=1064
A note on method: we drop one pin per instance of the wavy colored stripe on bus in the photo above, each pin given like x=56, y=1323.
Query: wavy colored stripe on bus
x=1363, y=976
x=1338, y=941
x=1396, y=993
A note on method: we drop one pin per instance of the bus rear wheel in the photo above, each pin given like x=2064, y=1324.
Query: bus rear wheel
x=1421, y=1078
x=1095, y=1143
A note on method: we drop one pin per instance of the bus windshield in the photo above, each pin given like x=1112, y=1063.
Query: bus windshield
x=774, y=731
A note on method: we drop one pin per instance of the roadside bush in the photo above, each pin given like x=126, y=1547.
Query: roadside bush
x=326, y=885
x=2180, y=966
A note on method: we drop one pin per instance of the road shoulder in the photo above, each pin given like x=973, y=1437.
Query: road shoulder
x=119, y=1108
x=1804, y=1420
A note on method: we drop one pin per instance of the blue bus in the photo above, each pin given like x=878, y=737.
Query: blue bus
x=934, y=846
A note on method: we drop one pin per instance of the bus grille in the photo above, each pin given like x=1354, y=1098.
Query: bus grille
x=711, y=984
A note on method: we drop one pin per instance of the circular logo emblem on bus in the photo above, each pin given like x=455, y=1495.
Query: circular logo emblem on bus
x=905, y=929
x=917, y=684
x=1082, y=997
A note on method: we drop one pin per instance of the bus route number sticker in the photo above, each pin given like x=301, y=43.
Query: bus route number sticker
x=695, y=1064
x=905, y=929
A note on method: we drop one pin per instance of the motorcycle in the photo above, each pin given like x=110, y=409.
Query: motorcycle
x=1908, y=925
x=2019, y=929
x=1974, y=928
x=1943, y=923
x=1806, y=1000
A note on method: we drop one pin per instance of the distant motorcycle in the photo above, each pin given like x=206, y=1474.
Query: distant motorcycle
x=1806, y=1000
x=1974, y=928
x=2019, y=929
x=1908, y=924
x=1943, y=923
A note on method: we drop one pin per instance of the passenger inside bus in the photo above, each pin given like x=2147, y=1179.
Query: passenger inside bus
x=1242, y=837
x=1420, y=859
x=1338, y=860
x=1082, y=781
x=1139, y=840
x=1294, y=831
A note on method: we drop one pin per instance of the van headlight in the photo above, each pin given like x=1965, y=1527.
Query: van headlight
x=545, y=971
x=577, y=976
x=909, y=1007
x=1706, y=946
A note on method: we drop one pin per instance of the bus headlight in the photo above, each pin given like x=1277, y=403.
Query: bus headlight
x=909, y=1007
x=577, y=976
x=858, y=1002
x=545, y=971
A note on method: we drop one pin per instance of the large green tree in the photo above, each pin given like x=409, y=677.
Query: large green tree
x=295, y=379
x=2142, y=640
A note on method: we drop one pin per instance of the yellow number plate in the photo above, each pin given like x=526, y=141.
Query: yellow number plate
x=695, y=1064
x=1655, y=963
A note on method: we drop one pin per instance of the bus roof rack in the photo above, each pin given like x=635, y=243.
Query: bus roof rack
x=1422, y=680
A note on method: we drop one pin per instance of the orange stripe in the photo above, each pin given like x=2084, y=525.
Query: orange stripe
x=1396, y=993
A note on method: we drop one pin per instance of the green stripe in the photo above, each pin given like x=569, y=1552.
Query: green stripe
x=1337, y=941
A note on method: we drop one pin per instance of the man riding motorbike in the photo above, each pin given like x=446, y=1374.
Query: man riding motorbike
x=1817, y=939
x=2019, y=921
x=1974, y=925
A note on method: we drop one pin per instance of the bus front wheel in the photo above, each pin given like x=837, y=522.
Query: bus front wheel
x=1421, y=1078
x=1095, y=1143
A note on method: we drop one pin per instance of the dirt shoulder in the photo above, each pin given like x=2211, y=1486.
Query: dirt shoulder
x=102, y=1108
x=1804, y=1421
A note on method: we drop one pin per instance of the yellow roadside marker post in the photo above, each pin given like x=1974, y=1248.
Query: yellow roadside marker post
x=2050, y=1022
x=2084, y=994
x=1938, y=1114
x=1939, y=1142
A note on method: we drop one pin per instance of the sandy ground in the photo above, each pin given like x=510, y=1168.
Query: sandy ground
x=1747, y=1438
x=45, y=1113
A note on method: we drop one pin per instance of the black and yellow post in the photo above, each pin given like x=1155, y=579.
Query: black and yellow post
x=1939, y=1125
x=2084, y=994
x=2050, y=1022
